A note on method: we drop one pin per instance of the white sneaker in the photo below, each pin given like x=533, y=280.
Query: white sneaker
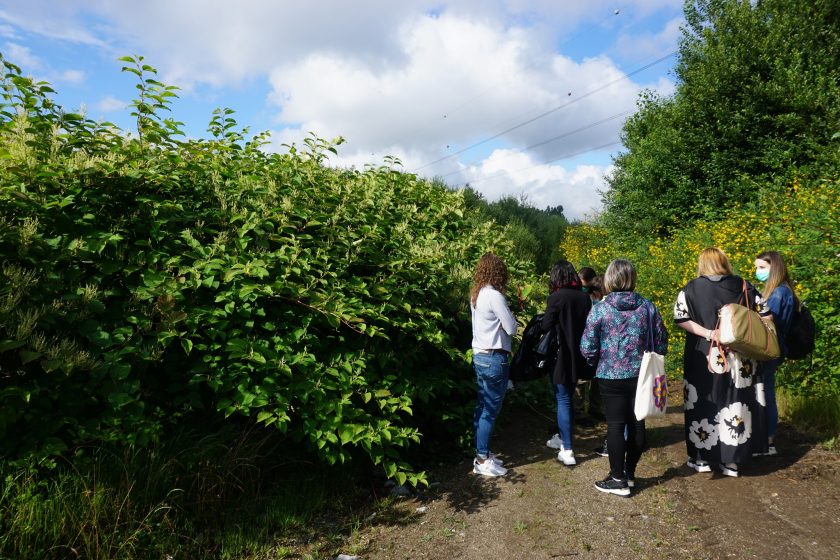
x=488, y=468
x=567, y=457
x=495, y=459
x=729, y=469
x=699, y=465
x=555, y=442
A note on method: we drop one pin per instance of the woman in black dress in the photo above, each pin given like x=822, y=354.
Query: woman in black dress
x=724, y=395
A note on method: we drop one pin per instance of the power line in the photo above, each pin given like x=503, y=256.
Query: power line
x=484, y=92
x=564, y=156
x=552, y=139
x=550, y=111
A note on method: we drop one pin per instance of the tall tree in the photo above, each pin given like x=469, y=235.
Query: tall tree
x=757, y=99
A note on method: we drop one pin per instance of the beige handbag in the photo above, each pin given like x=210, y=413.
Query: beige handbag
x=743, y=330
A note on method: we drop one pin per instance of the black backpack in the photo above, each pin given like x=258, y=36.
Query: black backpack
x=800, y=337
x=536, y=354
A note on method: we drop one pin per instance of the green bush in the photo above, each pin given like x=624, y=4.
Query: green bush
x=148, y=281
x=799, y=220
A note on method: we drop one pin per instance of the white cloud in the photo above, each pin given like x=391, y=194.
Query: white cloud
x=506, y=173
x=651, y=45
x=109, y=104
x=56, y=20
x=23, y=57
x=8, y=31
x=74, y=77
x=419, y=105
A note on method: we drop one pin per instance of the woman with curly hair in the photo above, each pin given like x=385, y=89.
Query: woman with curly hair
x=492, y=326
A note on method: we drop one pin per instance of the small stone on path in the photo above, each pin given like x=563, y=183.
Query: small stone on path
x=401, y=490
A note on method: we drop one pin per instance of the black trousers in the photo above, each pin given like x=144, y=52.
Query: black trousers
x=619, y=396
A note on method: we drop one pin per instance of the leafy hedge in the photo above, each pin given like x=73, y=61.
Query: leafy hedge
x=147, y=280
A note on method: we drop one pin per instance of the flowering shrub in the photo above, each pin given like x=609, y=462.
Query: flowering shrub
x=799, y=220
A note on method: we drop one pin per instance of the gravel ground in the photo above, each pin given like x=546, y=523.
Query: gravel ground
x=780, y=507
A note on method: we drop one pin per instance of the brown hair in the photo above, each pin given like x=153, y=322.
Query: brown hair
x=713, y=262
x=490, y=271
x=596, y=286
x=587, y=273
x=778, y=274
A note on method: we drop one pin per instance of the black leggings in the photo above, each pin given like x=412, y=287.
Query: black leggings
x=618, y=396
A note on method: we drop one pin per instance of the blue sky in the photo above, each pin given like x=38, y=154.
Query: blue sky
x=419, y=80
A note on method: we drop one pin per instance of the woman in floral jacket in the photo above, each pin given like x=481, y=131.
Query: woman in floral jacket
x=615, y=338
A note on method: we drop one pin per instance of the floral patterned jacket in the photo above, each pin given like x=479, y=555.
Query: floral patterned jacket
x=615, y=337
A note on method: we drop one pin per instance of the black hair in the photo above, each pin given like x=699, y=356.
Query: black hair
x=563, y=275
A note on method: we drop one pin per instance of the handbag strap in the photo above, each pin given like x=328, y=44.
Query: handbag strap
x=649, y=346
x=744, y=295
x=715, y=342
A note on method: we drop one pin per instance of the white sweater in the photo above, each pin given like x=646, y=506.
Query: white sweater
x=492, y=322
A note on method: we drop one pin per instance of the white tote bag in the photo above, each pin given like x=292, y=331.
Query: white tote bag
x=652, y=386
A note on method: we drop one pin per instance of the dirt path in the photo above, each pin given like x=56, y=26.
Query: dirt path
x=780, y=507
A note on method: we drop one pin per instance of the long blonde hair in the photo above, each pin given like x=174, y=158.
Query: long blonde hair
x=490, y=271
x=778, y=274
x=713, y=262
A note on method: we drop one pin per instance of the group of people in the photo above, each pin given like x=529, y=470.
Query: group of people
x=604, y=325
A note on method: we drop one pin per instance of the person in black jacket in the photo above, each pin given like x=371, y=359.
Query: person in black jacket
x=567, y=310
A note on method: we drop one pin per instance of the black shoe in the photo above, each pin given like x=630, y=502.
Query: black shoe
x=602, y=450
x=617, y=486
x=585, y=422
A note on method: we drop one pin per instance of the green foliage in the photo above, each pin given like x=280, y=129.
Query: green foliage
x=536, y=234
x=743, y=156
x=148, y=281
x=814, y=414
x=205, y=495
x=799, y=220
x=757, y=100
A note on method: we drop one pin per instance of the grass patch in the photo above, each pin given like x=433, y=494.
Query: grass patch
x=232, y=495
x=818, y=415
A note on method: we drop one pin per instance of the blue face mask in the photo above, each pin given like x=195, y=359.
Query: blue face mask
x=763, y=274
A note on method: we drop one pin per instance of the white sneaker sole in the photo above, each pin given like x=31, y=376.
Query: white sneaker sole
x=700, y=468
x=488, y=473
x=617, y=492
x=568, y=462
x=726, y=471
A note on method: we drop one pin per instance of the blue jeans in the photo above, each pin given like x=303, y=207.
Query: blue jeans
x=491, y=372
x=563, y=397
x=768, y=373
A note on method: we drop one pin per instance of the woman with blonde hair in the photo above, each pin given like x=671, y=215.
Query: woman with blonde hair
x=493, y=325
x=724, y=397
x=770, y=268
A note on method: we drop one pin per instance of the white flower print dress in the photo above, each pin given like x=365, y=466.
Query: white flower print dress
x=724, y=398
